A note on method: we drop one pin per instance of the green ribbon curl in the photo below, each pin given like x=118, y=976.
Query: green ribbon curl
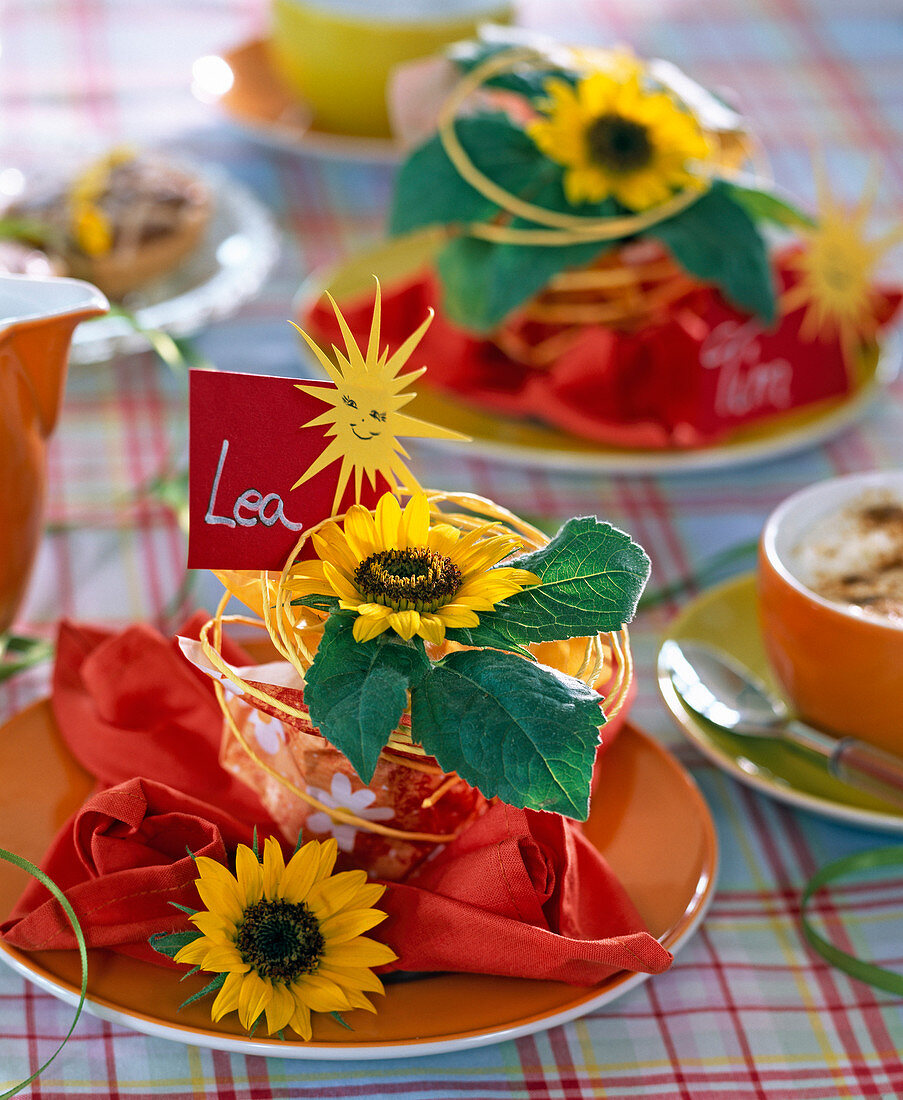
x=851, y=964
x=36, y=872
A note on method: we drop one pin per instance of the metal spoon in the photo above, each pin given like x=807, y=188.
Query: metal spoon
x=726, y=693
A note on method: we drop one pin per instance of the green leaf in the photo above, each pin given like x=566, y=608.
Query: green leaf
x=523, y=79
x=483, y=285
x=484, y=635
x=591, y=576
x=716, y=240
x=211, y=987
x=317, y=602
x=170, y=943
x=356, y=691
x=520, y=731
x=483, y=282
x=767, y=206
x=429, y=189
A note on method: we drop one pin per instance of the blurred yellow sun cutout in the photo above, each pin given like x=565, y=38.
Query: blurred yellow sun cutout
x=837, y=271
x=365, y=415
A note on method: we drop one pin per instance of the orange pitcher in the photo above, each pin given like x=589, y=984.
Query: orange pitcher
x=37, y=319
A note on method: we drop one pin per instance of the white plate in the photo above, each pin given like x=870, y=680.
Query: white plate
x=226, y=270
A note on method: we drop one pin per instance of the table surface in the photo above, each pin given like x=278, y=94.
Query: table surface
x=747, y=1009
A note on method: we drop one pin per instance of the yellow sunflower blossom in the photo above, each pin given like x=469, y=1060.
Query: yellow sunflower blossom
x=399, y=572
x=616, y=139
x=288, y=937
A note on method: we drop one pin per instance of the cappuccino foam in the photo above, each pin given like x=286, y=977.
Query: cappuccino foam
x=854, y=556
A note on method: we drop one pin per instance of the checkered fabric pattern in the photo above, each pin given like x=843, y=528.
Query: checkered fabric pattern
x=747, y=1011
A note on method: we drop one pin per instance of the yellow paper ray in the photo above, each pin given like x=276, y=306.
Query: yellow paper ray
x=836, y=271
x=364, y=414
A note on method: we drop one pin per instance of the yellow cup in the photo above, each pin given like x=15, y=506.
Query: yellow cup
x=336, y=55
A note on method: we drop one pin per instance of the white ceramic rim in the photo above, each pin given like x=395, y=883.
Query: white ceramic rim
x=804, y=508
x=237, y=212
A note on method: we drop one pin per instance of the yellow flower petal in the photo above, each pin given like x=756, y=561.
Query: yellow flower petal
x=223, y=902
x=332, y=895
x=388, y=518
x=415, y=522
x=360, y=1000
x=223, y=958
x=214, y=927
x=369, y=626
x=457, y=615
x=331, y=545
x=442, y=538
x=360, y=532
x=227, y=998
x=432, y=628
x=279, y=1009
x=273, y=867
x=253, y=997
x=249, y=874
x=352, y=977
x=339, y=583
x=300, y=873
x=405, y=623
x=193, y=953
x=320, y=994
x=350, y=923
x=327, y=854
x=300, y=1022
x=358, y=952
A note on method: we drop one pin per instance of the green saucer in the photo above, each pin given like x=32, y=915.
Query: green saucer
x=726, y=616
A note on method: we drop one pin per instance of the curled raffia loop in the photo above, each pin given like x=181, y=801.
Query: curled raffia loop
x=558, y=228
x=605, y=660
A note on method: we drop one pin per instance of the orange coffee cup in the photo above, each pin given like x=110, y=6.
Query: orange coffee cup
x=840, y=665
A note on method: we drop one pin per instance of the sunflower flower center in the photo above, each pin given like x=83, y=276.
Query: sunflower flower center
x=416, y=579
x=280, y=939
x=618, y=144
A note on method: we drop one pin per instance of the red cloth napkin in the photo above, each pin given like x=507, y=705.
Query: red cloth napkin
x=696, y=372
x=517, y=893
x=121, y=860
x=522, y=894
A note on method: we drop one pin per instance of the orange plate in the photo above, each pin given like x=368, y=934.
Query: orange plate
x=258, y=101
x=643, y=800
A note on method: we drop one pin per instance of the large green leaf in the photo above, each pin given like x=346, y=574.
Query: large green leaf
x=483, y=283
x=716, y=240
x=430, y=190
x=523, y=732
x=356, y=691
x=523, y=79
x=591, y=577
x=768, y=206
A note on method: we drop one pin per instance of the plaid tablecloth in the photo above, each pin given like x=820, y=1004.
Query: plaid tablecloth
x=748, y=1011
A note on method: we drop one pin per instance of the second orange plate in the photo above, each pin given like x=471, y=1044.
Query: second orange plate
x=643, y=801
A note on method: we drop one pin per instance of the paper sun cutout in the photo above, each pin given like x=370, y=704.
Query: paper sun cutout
x=365, y=415
x=836, y=273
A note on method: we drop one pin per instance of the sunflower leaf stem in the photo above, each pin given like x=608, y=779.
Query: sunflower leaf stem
x=211, y=987
x=340, y=1019
x=170, y=943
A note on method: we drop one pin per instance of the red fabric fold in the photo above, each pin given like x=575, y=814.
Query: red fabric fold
x=517, y=893
x=128, y=704
x=520, y=894
x=697, y=371
x=121, y=860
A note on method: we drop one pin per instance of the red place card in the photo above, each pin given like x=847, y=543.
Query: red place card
x=248, y=447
